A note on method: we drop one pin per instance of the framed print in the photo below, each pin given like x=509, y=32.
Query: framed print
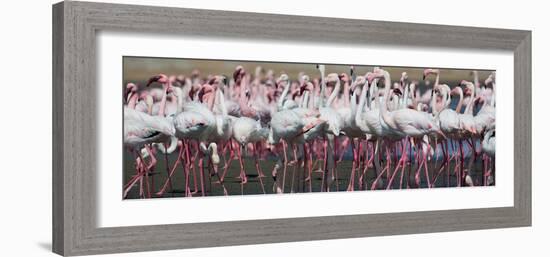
x=226, y=128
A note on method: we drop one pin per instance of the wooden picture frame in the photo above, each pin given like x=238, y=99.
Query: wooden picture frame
x=74, y=130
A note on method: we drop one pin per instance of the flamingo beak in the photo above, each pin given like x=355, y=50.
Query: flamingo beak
x=225, y=80
x=302, y=88
x=128, y=95
x=127, y=92
x=201, y=93
x=153, y=79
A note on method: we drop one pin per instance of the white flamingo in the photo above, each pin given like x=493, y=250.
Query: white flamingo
x=408, y=122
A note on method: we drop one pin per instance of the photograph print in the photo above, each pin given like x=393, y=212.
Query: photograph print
x=195, y=128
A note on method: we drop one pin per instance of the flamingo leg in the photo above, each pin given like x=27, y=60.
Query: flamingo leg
x=310, y=167
x=444, y=163
x=426, y=166
x=228, y=161
x=376, y=165
x=193, y=169
x=243, y=177
x=331, y=163
x=201, y=174
x=171, y=171
x=353, y=166
x=187, y=169
x=400, y=163
x=147, y=169
x=168, y=167
x=325, y=166
x=258, y=168
x=135, y=178
x=215, y=167
x=285, y=164
x=461, y=170
x=420, y=163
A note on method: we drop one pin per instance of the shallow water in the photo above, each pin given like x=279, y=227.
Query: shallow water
x=447, y=177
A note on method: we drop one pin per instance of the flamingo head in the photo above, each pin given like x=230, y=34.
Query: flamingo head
x=321, y=68
x=456, y=91
x=428, y=72
x=181, y=79
x=283, y=80
x=301, y=75
x=397, y=92
x=206, y=92
x=131, y=89
x=238, y=74
x=369, y=77
x=480, y=99
x=470, y=87
x=376, y=74
x=304, y=78
x=490, y=80
x=332, y=79
x=306, y=85
x=344, y=77
x=160, y=78
x=359, y=81
x=403, y=79
x=444, y=89
x=169, y=90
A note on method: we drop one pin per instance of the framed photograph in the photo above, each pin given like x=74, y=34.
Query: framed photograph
x=184, y=128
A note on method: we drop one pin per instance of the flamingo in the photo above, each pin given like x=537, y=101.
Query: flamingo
x=351, y=129
x=408, y=122
x=485, y=118
x=287, y=125
x=141, y=129
x=245, y=131
x=488, y=147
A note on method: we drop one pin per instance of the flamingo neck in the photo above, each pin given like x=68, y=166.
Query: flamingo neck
x=333, y=94
x=384, y=107
x=162, y=109
x=362, y=98
x=433, y=100
x=179, y=99
x=243, y=100
x=172, y=146
x=371, y=93
x=210, y=101
x=346, y=94
x=284, y=94
x=322, y=93
x=132, y=101
x=470, y=106
x=494, y=95
x=353, y=102
x=305, y=100
x=476, y=79
x=405, y=97
x=460, y=101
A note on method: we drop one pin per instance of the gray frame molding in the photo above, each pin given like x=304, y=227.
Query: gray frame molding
x=74, y=136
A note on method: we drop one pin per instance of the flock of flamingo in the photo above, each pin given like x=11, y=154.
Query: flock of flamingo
x=393, y=130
